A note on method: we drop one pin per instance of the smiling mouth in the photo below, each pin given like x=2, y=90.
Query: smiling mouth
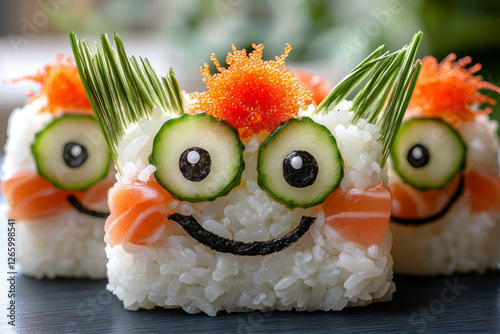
x=224, y=245
x=75, y=203
x=431, y=218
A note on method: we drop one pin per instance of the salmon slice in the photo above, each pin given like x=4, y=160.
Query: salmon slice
x=411, y=203
x=30, y=196
x=94, y=194
x=361, y=216
x=484, y=191
x=315, y=83
x=139, y=213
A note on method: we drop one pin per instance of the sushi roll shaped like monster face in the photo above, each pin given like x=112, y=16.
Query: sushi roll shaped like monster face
x=247, y=196
x=445, y=182
x=56, y=177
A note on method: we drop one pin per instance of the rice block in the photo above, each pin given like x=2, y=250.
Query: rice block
x=55, y=177
x=244, y=197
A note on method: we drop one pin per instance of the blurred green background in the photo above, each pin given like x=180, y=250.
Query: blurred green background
x=328, y=37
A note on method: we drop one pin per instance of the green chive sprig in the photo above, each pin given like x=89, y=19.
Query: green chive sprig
x=389, y=80
x=121, y=89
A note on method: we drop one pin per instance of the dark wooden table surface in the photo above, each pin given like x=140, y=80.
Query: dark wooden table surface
x=468, y=303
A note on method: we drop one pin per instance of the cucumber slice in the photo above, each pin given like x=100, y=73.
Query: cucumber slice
x=299, y=163
x=71, y=152
x=197, y=157
x=427, y=153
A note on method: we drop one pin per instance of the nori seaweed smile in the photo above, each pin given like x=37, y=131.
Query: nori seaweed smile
x=75, y=203
x=224, y=245
x=435, y=216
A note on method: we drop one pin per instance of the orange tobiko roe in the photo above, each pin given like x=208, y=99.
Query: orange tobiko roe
x=252, y=95
x=61, y=86
x=450, y=91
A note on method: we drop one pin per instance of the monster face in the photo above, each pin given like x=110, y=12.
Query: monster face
x=197, y=158
x=445, y=181
x=248, y=195
x=56, y=176
x=59, y=154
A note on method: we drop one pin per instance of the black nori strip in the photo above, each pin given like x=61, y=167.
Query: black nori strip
x=430, y=219
x=223, y=245
x=305, y=175
x=71, y=160
x=198, y=171
x=80, y=208
x=421, y=161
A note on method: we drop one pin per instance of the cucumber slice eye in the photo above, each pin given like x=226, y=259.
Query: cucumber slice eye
x=427, y=153
x=197, y=158
x=71, y=152
x=299, y=164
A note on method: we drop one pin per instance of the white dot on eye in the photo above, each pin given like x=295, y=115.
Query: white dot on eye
x=193, y=157
x=296, y=162
x=76, y=150
x=417, y=153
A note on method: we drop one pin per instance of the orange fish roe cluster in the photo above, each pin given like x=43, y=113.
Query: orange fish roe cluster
x=450, y=91
x=252, y=95
x=61, y=86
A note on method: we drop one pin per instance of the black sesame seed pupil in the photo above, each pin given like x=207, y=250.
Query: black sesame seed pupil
x=74, y=154
x=418, y=156
x=199, y=170
x=303, y=175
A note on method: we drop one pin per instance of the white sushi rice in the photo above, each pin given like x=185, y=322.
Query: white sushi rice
x=69, y=244
x=23, y=124
x=461, y=241
x=322, y=271
x=359, y=146
x=482, y=144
